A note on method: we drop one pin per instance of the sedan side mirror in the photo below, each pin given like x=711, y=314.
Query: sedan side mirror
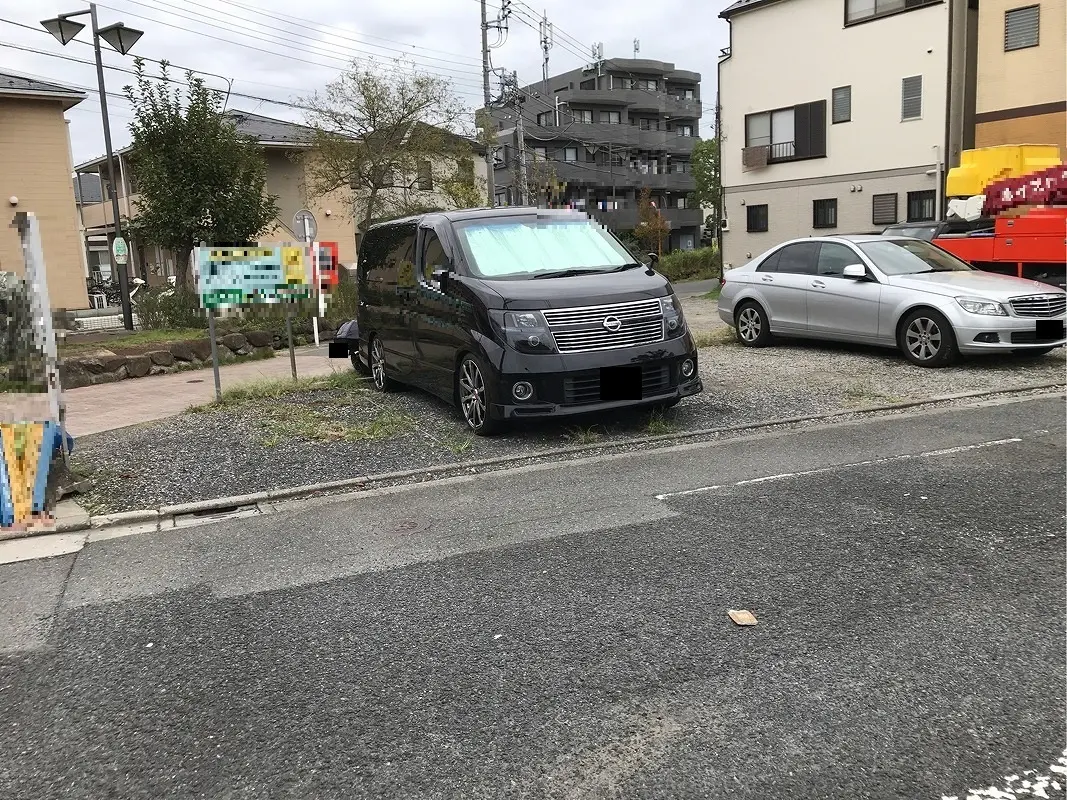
x=857, y=271
x=653, y=259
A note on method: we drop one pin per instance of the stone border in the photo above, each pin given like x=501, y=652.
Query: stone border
x=78, y=371
x=187, y=514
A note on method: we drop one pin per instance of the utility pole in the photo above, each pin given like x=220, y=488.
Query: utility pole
x=546, y=45
x=516, y=100
x=490, y=149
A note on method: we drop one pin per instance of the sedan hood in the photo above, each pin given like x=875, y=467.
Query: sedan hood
x=981, y=284
x=578, y=290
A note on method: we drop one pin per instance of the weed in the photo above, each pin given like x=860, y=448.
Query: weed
x=712, y=295
x=859, y=394
x=714, y=338
x=588, y=435
x=458, y=445
x=73, y=346
x=276, y=388
x=659, y=424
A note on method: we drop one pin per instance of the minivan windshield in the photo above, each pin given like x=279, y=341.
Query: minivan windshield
x=524, y=248
x=911, y=257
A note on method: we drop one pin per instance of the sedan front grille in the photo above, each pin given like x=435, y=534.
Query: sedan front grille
x=1039, y=305
x=580, y=330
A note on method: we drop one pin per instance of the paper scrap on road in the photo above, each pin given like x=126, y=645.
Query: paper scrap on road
x=742, y=617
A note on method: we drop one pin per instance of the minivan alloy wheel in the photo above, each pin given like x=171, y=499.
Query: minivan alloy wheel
x=377, y=362
x=923, y=338
x=749, y=324
x=472, y=395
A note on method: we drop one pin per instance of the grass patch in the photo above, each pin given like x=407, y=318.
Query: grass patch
x=286, y=422
x=712, y=295
x=588, y=435
x=135, y=339
x=659, y=424
x=273, y=389
x=714, y=338
x=457, y=445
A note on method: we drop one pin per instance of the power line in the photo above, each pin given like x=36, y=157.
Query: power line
x=334, y=54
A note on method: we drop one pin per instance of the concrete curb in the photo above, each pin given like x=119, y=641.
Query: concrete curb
x=183, y=514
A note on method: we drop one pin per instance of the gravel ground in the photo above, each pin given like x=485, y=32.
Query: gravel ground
x=235, y=451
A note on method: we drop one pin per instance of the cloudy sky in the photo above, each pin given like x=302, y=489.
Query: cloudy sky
x=281, y=51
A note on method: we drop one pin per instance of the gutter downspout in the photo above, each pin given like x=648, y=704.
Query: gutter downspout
x=940, y=212
x=78, y=210
x=939, y=168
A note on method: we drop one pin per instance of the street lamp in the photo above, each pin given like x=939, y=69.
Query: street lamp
x=121, y=38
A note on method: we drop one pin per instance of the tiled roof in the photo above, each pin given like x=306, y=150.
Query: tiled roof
x=743, y=5
x=266, y=129
x=20, y=83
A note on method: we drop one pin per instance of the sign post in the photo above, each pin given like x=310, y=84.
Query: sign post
x=305, y=222
x=121, y=251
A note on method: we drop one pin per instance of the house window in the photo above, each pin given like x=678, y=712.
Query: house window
x=911, y=97
x=617, y=159
x=588, y=84
x=570, y=154
x=688, y=94
x=922, y=206
x=824, y=213
x=681, y=166
x=685, y=130
x=540, y=154
x=841, y=105
x=622, y=83
x=863, y=10
x=789, y=133
x=583, y=115
x=1022, y=28
x=884, y=209
x=546, y=118
x=757, y=219
x=611, y=117
x=425, y=181
x=649, y=86
x=680, y=202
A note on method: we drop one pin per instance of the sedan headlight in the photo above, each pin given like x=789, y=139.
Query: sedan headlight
x=525, y=331
x=976, y=305
x=673, y=318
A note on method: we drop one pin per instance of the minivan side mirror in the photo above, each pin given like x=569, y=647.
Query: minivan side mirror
x=857, y=271
x=440, y=274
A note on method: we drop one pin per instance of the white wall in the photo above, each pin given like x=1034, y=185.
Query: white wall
x=798, y=51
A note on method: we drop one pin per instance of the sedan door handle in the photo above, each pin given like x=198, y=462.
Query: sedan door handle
x=818, y=284
x=768, y=279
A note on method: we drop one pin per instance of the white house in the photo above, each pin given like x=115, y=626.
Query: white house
x=840, y=116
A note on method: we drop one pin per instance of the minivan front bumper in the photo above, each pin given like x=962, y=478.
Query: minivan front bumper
x=571, y=383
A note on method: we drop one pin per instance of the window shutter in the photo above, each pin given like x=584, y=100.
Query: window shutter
x=884, y=209
x=1022, y=27
x=809, y=130
x=911, y=97
x=842, y=104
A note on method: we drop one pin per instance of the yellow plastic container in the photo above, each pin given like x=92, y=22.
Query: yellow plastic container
x=985, y=165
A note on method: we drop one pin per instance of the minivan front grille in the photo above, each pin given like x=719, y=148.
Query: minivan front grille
x=1040, y=305
x=579, y=330
x=583, y=388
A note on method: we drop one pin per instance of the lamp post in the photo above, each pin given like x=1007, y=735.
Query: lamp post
x=121, y=38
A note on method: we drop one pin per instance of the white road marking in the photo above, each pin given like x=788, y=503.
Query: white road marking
x=786, y=475
x=1031, y=785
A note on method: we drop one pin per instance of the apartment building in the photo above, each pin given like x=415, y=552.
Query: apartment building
x=1022, y=77
x=841, y=116
x=596, y=136
x=287, y=148
x=35, y=176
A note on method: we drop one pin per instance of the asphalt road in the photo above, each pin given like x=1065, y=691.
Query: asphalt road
x=562, y=631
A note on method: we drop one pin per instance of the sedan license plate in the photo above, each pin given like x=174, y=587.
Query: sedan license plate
x=620, y=383
x=1050, y=330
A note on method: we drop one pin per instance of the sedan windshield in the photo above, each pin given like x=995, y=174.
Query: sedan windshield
x=911, y=257
x=532, y=248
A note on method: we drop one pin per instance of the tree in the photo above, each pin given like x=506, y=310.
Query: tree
x=391, y=135
x=652, y=228
x=705, y=165
x=198, y=178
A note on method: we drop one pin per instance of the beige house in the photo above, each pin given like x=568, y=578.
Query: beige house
x=1022, y=73
x=286, y=147
x=35, y=176
x=841, y=116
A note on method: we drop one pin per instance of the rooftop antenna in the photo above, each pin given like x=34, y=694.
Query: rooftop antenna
x=547, y=40
x=637, y=47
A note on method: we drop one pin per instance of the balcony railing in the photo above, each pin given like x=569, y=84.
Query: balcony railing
x=760, y=155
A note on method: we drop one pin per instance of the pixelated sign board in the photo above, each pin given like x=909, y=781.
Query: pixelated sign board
x=1047, y=187
x=228, y=277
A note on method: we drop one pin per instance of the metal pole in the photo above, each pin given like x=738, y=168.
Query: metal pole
x=315, y=283
x=214, y=352
x=490, y=161
x=524, y=186
x=289, y=334
x=124, y=284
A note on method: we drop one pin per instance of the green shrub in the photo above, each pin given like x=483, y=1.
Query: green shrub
x=168, y=309
x=686, y=265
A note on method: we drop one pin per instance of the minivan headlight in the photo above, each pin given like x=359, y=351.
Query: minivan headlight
x=673, y=318
x=976, y=305
x=525, y=331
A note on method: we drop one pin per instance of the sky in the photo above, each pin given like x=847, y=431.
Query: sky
x=283, y=51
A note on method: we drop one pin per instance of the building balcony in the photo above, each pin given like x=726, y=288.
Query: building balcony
x=628, y=136
x=582, y=173
x=761, y=155
x=626, y=219
x=635, y=100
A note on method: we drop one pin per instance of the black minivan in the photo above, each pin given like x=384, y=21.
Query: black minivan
x=514, y=313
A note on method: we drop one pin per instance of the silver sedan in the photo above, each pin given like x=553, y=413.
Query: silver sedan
x=893, y=292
